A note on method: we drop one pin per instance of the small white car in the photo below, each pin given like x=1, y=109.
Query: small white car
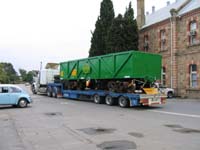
x=13, y=95
x=167, y=91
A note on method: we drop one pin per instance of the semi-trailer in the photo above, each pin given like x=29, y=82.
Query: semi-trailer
x=124, y=78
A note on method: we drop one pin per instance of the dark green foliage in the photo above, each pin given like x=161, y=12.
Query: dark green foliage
x=23, y=74
x=97, y=44
x=102, y=26
x=123, y=34
x=29, y=77
x=26, y=76
x=114, y=34
x=131, y=29
x=116, y=40
x=107, y=14
x=8, y=73
x=3, y=77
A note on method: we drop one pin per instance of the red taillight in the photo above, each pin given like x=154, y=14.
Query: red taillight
x=163, y=100
x=144, y=101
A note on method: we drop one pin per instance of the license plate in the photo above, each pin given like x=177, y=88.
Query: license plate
x=154, y=100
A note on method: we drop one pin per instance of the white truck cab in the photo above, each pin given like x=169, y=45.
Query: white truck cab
x=44, y=77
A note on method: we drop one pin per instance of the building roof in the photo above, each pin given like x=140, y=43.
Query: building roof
x=164, y=13
x=194, y=4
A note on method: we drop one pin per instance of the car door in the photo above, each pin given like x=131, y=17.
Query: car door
x=14, y=94
x=4, y=95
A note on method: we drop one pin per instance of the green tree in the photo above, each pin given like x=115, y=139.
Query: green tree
x=116, y=40
x=26, y=76
x=96, y=41
x=102, y=26
x=23, y=74
x=3, y=77
x=11, y=74
x=29, y=76
x=123, y=34
x=131, y=29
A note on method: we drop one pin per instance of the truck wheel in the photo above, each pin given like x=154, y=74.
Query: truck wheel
x=54, y=94
x=22, y=103
x=97, y=99
x=123, y=101
x=33, y=90
x=49, y=93
x=170, y=95
x=109, y=100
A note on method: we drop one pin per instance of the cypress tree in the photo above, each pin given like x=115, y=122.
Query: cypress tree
x=116, y=39
x=131, y=29
x=102, y=26
x=96, y=41
x=123, y=34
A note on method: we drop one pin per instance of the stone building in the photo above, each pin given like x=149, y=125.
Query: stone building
x=174, y=32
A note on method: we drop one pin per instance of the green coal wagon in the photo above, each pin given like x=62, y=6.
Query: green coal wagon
x=130, y=64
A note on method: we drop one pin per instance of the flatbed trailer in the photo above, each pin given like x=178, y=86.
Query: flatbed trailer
x=124, y=78
x=107, y=97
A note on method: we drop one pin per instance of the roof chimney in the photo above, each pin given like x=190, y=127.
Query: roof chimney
x=168, y=3
x=147, y=13
x=140, y=13
x=153, y=9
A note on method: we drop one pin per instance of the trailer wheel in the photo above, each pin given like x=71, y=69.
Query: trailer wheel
x=49, y=93
x=54, y=93
x=97, y=99
x=109, y=100
x=123, y=101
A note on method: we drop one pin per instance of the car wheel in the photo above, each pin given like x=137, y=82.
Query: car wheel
x=109, y=100
x=123, y=101
x=170, y=94
x=22, y=103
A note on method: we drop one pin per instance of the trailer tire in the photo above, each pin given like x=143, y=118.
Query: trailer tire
x=109, y=100
x=97, y=99
x=54, y=93
x=123, y=102
x=49, y=93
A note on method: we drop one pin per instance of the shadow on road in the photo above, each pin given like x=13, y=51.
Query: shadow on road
x=144, y=108
x=11, y=107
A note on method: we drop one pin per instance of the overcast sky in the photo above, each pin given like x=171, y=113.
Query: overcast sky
x=34, y=31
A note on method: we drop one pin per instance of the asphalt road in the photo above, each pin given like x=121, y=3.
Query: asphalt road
x=61, y=124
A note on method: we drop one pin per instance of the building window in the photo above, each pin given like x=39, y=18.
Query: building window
x=163, y=76
x=146, y=43
x=193, y=33
x=193, y=76
x=162, y=40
